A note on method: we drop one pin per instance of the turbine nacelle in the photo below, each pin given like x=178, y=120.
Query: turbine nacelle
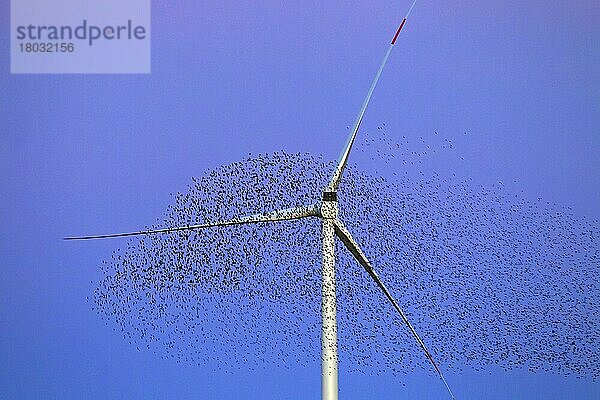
x=329, y=205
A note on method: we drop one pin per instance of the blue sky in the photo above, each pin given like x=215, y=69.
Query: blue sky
x=102, y=153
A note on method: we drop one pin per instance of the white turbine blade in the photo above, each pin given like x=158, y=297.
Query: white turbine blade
x=279, y=215
x=337, y=175
x=351, y=245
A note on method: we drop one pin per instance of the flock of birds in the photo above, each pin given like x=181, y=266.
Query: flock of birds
x=486, y=277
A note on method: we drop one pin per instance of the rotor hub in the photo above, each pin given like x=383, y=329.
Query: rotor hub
x=329, y=205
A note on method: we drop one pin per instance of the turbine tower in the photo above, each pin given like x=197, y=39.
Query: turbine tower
x=332, y=226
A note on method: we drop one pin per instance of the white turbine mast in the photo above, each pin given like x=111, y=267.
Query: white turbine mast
x=327, y=210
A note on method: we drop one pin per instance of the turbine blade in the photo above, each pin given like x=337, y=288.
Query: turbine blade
x=353, y=247
x=279, y=215
x=337, y=174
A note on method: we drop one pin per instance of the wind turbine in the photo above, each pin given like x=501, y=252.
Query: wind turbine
x=332, y=226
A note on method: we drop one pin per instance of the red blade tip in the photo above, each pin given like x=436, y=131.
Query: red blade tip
x=398, y=31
